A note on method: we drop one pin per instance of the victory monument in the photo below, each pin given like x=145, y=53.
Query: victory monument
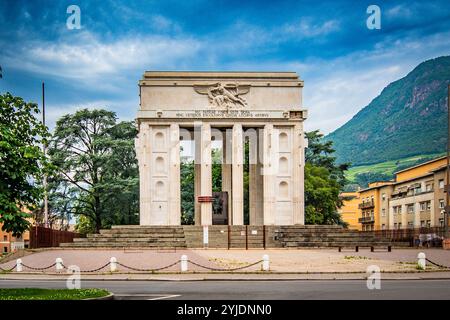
x=263, y=108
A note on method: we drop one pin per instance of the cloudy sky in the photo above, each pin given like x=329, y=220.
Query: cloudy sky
x=343, y=63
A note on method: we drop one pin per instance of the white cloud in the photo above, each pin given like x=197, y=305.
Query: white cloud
x=306, y=28
x=89, y=60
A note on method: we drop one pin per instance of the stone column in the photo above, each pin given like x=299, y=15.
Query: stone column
x=297, y=176
x=237, y=175
x=432, y=215
x=404, y=217
x=391, y=217
x=174, y=176
x=268, y=176
x=197, y=178
x=226, y=169
x=206, y=174
x=417, y=215
x=143, y=146
x=253, y=179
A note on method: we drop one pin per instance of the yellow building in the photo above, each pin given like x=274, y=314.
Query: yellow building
x=8, y=243
x=349, y=210
x=414, y=199
x=372, y=200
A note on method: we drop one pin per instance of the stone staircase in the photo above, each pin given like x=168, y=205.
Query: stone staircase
x=319, y=236
x=150, y=237
x=172, y=237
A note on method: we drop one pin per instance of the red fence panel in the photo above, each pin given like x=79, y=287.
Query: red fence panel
x=41, y=237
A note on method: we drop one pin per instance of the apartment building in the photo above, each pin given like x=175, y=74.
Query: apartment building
x=414, y=199
x=373, y=205
x=8, y=243
x=349, y=210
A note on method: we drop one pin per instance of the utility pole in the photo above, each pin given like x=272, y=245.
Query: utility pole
x=44, y=147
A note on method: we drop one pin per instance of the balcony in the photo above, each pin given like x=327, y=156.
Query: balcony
x=366, y=204
x=367, y=219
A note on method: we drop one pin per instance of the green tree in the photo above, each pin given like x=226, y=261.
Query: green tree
x=22, y=162
x=320, y=153
x=324, y=179
x=96, y=160
x=187, y=192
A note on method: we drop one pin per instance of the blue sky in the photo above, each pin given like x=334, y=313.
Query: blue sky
x=343, y=63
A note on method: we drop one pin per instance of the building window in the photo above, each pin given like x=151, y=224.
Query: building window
x=410, y=225
x=441, y=203
x=429, y=187
x=395, y=225
x=5, y=238
x=428, y=205
x=383, y=227
x=418, y=190
x=5, y=249
x=428, y=223
x=383, y=212
x=383, y=196
x=441, y=184
x=441, y=222
x=410, y=208
x=399, y=209
x=423, y=206
x=422, y=223
x=399, y=225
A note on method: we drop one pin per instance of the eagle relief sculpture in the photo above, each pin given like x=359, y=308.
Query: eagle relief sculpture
x=224, y=96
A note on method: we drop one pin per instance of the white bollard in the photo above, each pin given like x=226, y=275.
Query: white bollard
x=59, y=264
x=266, y=263
x=19, y=267
x=184, y=263
x=421, y=262
x=113, y=264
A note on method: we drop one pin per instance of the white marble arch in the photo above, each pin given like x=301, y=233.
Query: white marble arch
x=270, y=103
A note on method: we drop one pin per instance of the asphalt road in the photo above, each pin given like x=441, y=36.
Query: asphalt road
x=249, y=290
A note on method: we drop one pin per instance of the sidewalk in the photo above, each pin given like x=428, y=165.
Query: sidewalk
x=227, y=277
x=324, y=262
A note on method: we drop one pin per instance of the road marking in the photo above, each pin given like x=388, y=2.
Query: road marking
x=165, y=297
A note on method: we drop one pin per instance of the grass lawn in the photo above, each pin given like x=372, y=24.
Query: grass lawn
x=51, y=294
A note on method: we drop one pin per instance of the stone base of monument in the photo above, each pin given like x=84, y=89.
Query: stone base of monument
x=230, y=237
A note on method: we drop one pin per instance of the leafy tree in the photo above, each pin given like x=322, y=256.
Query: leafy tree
x=320, y=153
x=22, y=162
x=96, y=161
x=187, y=192
x=323, y=181
x=364, y=178
x=321, y=196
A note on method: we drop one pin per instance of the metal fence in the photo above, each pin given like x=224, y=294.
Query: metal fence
x=431, y=236
x=41, y=237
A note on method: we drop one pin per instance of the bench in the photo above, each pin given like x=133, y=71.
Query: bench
x=372, y=248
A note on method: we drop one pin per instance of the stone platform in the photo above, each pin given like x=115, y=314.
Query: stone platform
x=230, y=237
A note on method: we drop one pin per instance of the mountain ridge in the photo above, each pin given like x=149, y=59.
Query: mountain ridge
x=408, y=118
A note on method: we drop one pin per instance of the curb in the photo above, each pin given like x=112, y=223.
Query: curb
x=108, y=297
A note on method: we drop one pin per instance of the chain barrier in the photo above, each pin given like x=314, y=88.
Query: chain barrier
x=10, y=269
x=37, y=268
x=148, y=270
x=226, y=269
x=92, y=270
x=437, y=264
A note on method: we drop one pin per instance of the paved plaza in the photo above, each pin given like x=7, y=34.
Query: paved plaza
x=281, y=260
